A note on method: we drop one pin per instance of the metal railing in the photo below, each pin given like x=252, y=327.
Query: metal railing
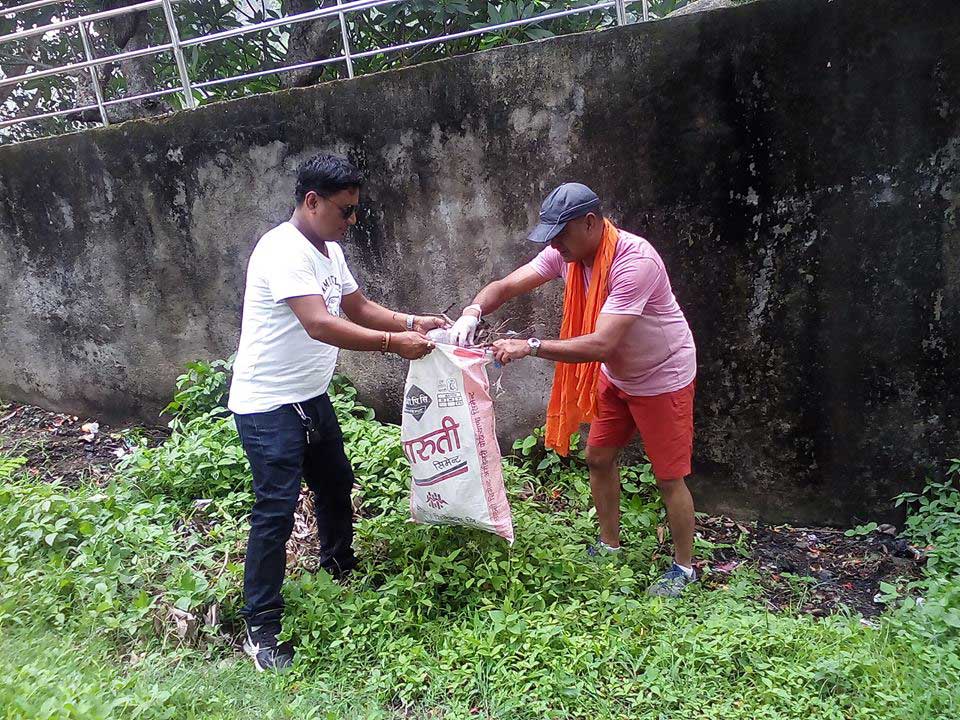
x=189, y=87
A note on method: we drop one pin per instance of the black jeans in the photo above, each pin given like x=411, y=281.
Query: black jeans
x=276, y=445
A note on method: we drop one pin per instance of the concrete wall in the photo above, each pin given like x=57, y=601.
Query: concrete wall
x=796, y=163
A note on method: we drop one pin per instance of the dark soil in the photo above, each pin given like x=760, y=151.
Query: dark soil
x=812, y=570
x=58, y=445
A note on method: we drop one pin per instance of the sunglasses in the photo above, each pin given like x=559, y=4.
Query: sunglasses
x=346, y=211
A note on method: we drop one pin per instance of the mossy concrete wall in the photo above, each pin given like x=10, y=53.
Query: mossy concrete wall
x=796, y=163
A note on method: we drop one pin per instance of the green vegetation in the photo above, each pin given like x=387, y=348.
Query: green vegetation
x=121, y=602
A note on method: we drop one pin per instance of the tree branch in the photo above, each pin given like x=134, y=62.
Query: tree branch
x=22, y=63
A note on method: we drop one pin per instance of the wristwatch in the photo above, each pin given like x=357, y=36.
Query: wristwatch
x=534, y=344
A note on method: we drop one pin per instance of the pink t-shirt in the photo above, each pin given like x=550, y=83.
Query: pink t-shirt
x=657, y=354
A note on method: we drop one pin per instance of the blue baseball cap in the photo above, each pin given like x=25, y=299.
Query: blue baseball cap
x=566, y=203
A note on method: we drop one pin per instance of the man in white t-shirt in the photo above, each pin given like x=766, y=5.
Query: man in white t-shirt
x=297, y=284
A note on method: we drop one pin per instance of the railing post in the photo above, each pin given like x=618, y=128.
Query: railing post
x=178, y=54
x=621, y=12
x=88, y=51
x=346, y=42
x=646, y=10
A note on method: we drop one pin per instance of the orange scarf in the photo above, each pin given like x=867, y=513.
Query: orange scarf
x=573, y=399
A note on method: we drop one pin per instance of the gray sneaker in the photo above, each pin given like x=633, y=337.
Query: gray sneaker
x=598, y=552
x=671, y=583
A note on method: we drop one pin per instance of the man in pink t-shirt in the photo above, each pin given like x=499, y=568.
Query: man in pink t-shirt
x=648, y=357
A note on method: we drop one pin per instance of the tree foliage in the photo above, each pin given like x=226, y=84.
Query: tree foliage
x=288, y=44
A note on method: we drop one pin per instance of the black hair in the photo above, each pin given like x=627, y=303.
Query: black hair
x=326, y=175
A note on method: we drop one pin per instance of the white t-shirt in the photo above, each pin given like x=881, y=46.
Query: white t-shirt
x=278, y=362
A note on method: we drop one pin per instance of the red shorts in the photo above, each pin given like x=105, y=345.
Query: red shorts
x=665, y=423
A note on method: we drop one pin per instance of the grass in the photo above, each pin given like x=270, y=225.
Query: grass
x=709, y=656
x=438, y=622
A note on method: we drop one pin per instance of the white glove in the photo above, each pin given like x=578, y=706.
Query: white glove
x=465, y=328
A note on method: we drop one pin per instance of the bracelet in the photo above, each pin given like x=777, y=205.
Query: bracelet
x=385, y=345
x=410, y=321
